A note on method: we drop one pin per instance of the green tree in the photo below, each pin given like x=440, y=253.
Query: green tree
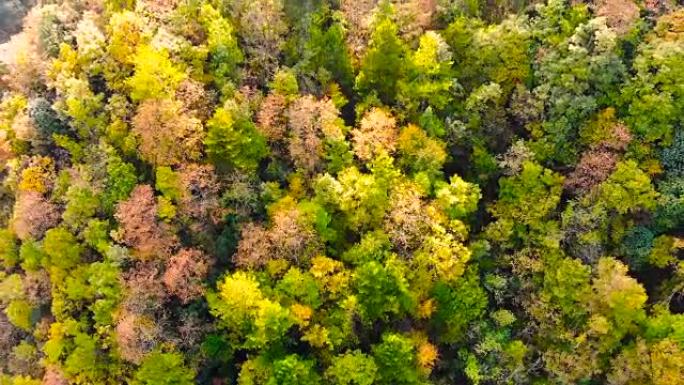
x=62, y=248
x=382, y=291
x=293, y=370
x=457, y=305
x=628, y=189
x=383, y=65
x=352, y=368
x=163, y=369
x=233, y=142
x=224, y=53
x=9, y=251
x=396, y=360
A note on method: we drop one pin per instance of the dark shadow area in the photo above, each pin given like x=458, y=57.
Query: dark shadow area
x=12, y=13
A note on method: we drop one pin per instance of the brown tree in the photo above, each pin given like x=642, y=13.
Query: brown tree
x=185, y=273
x=312, y=121
x=261, y=27
x=33, y=215
x=200, y=192
x=167, y=135
x=54, y=376
x=9, y=337
x=594, y=167
x=136, y=335
x=139, y=227
x=377, y=132
x=407, y=220
x=359, y=15
x=254, y=248
x=290, y=236
x=145, y=291
x=37, y=287
x=197, y=101
x=305, y=145
x=271, y=119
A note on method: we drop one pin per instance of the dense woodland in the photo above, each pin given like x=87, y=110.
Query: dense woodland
x=352, y=192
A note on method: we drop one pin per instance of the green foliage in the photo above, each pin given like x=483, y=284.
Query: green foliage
x=224, y=53
x=233, y=142
x=62, y=248
x=383, y=65
x=526, y=202
x=458, y=198
x=293, y=370
x=31, y=255
x=382, y=291
x=396, y=360
x=430, y=77
x=9, y=252
x=628, y=189
x=285, y=83
x=566, y=287
x=419, y=152
x=673, y=156
x=163, y=369
x=458, y=304
x=45, y=118
x=654, y=96
x=121, y=179
x=352, y=368
x=81, y=205
x=19, y=313
x=326, y=54
x=637, y=245
x=167, y=182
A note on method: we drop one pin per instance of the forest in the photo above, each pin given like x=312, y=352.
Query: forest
x=342, y=192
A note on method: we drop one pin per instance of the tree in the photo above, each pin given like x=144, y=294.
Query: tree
x=352, y=368
x=593, y=168
x=139, y=226
x=62, y=248
x=136, y=336
x=429, y=79
x=33, y=215
x=224, y=53
x=9, y=251
x=382, y=66
x=377, y=132
x=156, y=76
x=420, y=153
x=382, y=291
x=362, y=198
x=166, y=135
x=618, y=297
x=232, y=140
x=185, y=272
x=654, y=96
x=458, y=304
x=312, y=124
x=326, y=56
x=163, y=369
x=526, y=201
x=628, y=189
x=396, y=360
x=243, y=310
x=261, y=27
x=292, y=370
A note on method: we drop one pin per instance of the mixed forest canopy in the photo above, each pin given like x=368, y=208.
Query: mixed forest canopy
x=344, y=192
